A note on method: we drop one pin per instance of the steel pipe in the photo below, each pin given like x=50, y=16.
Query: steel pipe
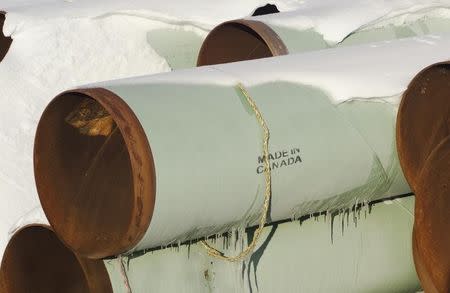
x=432, y=222
x=35, y=260
x=369, y=253
x=147, y=162
x=282, y=33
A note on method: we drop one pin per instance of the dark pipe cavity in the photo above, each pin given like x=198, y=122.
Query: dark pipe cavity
x=5, y=42
x=266, y=9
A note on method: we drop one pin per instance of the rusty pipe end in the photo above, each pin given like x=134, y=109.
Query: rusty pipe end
x=5, y=42
x=423, y=119
x=240, y=40
x=94, y=172
x=423, y=144
x=432, y=221
x=36, y=261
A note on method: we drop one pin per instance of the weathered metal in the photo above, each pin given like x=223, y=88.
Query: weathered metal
x=423, y=143
x=106, y=195
x=35, y=260
x=260, y=37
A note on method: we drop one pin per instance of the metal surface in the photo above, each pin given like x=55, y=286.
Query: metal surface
x=246, y=39
x=423, y=131
x=206, y=148
x=423, y=119
x=85, y=182
x=240, y=40
x=36, y=261
x=107, y=183
x=373, y=255
x=5, y=42
x=432, y=221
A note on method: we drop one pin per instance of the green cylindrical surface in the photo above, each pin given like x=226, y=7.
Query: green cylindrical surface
x=263, y=36
x=185, y=160
x=372, y=256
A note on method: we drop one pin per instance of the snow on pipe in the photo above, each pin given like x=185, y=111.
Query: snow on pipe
x=117, y=171
x=35, y=260
x=5, y=42
x=283, y=33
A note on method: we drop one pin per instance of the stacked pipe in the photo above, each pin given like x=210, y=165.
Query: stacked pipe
x=35, y=260
x=422, y=160
x=128, y=166
x=308, y=29
x=141, y=142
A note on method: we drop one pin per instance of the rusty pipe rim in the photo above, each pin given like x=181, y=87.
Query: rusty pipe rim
x=36, y=261
x=423, y=119
x=97, y=191
x=5, y=42
x=239, y=40
x=432, y=220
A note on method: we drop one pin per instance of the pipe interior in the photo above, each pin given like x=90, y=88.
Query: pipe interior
x=36, y=261
x=423, y=119
x=84, y=175
x=232, y=42
x=5, y=42
x=266, y=9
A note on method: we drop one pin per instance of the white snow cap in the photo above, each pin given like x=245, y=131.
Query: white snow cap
x=337, y=19
x=202, y=13
x=376, y=70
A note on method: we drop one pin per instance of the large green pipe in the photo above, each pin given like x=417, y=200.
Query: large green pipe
x=35, y=260
x=283, y=33
x=179, y=45
x=374, y=256
x=147, y=162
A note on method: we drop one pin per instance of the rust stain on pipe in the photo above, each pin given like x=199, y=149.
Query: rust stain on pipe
x=423, y=118
x=5, y=42
x=35, y=260
x=423, y=144
x=240, y=40
x=98, y=192
x=432, y=220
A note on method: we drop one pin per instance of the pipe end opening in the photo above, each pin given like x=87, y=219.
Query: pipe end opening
x=94, y=172
x=35, y=260
x=423, y=119
x=240, y=40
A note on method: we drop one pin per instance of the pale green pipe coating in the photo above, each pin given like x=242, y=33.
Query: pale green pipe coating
x=374, y=256
x=206, y=145
x=297, y=40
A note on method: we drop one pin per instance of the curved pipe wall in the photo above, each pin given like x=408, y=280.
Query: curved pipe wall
x=5, y=42
x=424, y=151
x=258, y=37
x=36, y=261
x=372, y=256
x=117, y=164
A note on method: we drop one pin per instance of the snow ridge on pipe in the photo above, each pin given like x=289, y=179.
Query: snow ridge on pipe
x=300, y=31
x=207, y=154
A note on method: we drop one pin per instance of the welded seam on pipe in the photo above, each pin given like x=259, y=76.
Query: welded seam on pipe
x=267, y=194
